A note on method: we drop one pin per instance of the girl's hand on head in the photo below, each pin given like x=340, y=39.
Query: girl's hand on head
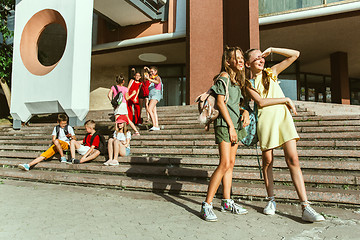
x=291, y=106
x=245, y=118
x=233, y=136
x=266, y=52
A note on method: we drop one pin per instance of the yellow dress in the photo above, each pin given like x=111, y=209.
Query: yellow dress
x=275, y=123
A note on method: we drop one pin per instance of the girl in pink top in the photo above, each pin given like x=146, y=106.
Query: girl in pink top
x=121, y=109
x=155, y=95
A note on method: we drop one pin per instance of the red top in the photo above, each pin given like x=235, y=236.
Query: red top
x=145, y=88
x=134, y=87
x=96, y=141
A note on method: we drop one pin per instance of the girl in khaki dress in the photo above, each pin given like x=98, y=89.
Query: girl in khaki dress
x=229, y=129
x=275, y=124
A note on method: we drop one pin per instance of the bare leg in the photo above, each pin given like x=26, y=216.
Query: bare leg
x=58, y=147
x=267, y=164
x=117, y=149
x=111, y=148
x=292, y=161
x=132, y=125
x=156, y=117
x=228, y=176
x=141, y=103
x=92, y=156
x=122, y=150
x=224, y=166
x=73, y=146
x=152, y=112
x=147, y=108
x=36, y=160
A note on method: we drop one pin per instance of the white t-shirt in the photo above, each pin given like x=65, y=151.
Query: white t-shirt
x=62, y=135
x=121, y=136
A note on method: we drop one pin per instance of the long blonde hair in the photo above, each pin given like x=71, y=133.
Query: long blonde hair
x=265, y=77
x=117, y=129
x=238, y=77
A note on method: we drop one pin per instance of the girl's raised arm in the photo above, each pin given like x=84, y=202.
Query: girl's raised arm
x=291, y=56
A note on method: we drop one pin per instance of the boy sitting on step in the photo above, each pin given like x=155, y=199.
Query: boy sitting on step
x=88, y=147
x=61, y=136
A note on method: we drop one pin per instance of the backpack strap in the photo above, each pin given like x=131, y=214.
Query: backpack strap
x=93, y=137
x=57, y=129
x=226, y=85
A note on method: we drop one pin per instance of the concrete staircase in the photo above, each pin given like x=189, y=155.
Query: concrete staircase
x=182, y=156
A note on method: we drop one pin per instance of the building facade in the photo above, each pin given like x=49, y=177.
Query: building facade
x=185, y=39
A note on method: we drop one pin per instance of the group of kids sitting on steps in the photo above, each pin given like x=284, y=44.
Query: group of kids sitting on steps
x=148, y=88
x=93, y=144
x=275, y=128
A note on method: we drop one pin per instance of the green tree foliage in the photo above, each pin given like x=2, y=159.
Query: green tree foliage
x=6, y=49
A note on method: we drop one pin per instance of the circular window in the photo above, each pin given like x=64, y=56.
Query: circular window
x=43, y=41
x=51, y=44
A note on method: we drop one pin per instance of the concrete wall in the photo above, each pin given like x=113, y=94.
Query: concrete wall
x=64, y=86
x=101, y=81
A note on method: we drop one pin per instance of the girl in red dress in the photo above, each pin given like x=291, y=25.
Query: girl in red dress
x=134, y=86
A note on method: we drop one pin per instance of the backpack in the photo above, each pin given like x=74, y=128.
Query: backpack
x=102, y=143
x=251, y=137
x=117, y=100
x=57, y=129
x=207, y=104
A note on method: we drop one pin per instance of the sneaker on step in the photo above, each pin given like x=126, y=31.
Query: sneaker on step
x=207, y=212
x=107, y=162
x=230, y=205
x=63, y=160
x=270, y=208
x=310, y=215
x=114, y=163
x=25, y=167
x=75, y=161
x=154, y=129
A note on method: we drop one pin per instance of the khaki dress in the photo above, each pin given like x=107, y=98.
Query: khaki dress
x=275, y=123
x=220, y=125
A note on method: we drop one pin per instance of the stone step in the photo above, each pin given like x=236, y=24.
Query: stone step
x=192, y=143
x=187, y=123
x=196, y=128
x=155, y=151
x=316, y=132
x=338, y=196
x=159, y=135
x=249, y=162
x=310, y=177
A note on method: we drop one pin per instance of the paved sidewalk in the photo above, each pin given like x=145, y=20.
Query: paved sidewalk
x=44, y=211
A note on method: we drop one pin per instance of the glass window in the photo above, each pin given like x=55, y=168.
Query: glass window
x=277, y=6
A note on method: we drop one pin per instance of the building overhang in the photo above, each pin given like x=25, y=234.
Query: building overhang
x=130, y=12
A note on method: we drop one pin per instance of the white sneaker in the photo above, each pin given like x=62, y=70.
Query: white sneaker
x=310, y=215
x=230, y=205
x=108, y=162
x=114, y=163
x=25, y=167
x=154, y=129
x=270, y=208
x=207, y=212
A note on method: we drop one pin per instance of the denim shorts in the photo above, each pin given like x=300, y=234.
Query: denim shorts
x=127, y=151
x=155, y=94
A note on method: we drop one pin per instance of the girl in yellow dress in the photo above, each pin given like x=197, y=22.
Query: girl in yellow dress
x=275, y=124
